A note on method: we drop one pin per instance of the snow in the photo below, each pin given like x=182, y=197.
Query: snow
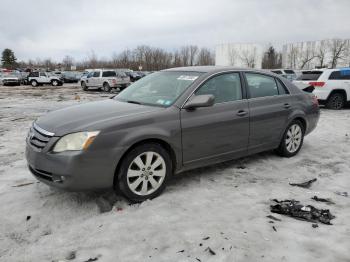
x=227, y=202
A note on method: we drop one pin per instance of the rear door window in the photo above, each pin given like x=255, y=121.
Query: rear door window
x=282, y=90
x=261, y=85
x=340, y=75
x=109, y=74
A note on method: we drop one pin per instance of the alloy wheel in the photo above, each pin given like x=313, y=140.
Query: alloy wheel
x=146, y=173
x=293, y=138
x=337, y=102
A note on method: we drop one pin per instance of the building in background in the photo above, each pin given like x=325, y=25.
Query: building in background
x=328, y=53
x=239, y=55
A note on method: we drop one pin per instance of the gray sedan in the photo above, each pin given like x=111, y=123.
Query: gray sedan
x=168, y=122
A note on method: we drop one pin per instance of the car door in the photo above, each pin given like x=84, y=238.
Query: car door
x=96, y=79
x=43, y=78
x=270, y=105
x=220, y=131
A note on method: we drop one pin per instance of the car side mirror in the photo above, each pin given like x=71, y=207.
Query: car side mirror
x=200, y=101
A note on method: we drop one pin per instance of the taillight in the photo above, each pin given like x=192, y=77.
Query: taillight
x=317, y=84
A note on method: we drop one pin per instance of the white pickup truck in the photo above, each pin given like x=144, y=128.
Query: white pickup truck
x=105, y=79
x=40, y=78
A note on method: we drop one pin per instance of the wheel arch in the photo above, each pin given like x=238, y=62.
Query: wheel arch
x=159, y=141
x=340, y=91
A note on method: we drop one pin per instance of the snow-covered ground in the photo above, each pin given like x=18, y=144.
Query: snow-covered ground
x=228, y=202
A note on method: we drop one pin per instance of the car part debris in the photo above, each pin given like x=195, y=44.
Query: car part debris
x=24, y=184
x=71, y=255
x=324, y=200
x=306, y=184
x=273, y=218
x=181, y=251
x=210, y=251
x=344, y=194
x=28, y=217
x=273, y=227
x=206, y=238
x=314, y=225
x=309, y=213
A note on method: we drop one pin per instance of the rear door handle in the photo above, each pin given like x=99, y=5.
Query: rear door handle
x=286, y=105
x=241, y=113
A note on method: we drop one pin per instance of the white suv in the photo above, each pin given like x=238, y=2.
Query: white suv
x=40, y=78
x=331, y=86
x=105, y=79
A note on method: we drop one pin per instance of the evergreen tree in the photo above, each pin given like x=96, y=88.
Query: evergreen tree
x=8, y=59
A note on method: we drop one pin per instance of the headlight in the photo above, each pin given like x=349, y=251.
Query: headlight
x=75, y=141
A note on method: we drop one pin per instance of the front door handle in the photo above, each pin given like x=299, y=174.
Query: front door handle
x=241, y=113
x=286, y=105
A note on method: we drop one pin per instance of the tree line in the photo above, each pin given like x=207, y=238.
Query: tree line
x=148, y=57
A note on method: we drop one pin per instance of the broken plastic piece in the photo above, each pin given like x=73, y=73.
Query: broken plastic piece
x=325, y=200
x=306, y=184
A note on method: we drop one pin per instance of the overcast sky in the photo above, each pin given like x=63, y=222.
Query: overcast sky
x=45, y=28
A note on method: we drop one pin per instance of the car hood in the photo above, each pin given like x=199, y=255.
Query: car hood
x=91, y=116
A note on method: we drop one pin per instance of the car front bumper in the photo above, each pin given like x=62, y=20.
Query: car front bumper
x=72, y=170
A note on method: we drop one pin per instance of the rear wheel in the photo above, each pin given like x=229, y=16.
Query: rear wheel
x=144, y=172
x=292, y=139
x=336, y=101
x=106, y=87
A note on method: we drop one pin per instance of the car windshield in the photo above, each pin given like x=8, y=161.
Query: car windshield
x=158, y=89
x=310, y=75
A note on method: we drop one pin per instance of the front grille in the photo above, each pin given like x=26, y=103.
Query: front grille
x=39, y=137
x=41, y=173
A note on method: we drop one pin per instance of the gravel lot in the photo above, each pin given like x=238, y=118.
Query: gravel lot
x=228, y=202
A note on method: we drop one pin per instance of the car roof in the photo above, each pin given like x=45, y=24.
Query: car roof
x=214, y=69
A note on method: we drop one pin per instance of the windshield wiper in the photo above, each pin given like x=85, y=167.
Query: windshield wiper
x=133, y=102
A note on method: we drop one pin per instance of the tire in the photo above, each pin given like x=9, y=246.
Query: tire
x=336, y=101
x=83, y=86
x=106, y=87
x=144, y=172
x=55, y=82
x=34, y=83
x=292, y=139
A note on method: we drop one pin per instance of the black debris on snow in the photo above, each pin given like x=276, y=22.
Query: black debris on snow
x=306, y=184
x=309, y=213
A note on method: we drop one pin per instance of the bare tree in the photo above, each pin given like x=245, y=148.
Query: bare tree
x=338, y=50
x=232, y=55
x=248, y=57
x=205, y=57
x=306, y=56
x=67, y=62
x=321, y=53
x=185, y=55
x=193, y=50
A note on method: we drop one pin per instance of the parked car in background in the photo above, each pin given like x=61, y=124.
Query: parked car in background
x=105, y=79
x=134, y=76
x=168, y=122
x=331, y=86
x=11, y=78
x=41, y=78
x=71, y=76
x=286, y=73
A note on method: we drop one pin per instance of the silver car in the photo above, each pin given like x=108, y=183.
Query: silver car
x=168, y=122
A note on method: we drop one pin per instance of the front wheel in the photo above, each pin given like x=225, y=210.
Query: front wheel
x=292, y=140
x=84, y=86
x=144, y=172
x=54, y=83
x=34, y=83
